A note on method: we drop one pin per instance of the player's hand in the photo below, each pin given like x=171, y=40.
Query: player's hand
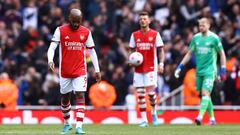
x=98, y=77
x=223, y=75
x=178, y=70
x=131, y=65
x=160, y=68
x=51, y=66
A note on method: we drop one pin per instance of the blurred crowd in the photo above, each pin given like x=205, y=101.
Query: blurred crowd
x=27, y=26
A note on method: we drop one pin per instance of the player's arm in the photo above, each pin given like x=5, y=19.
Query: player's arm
x=184, y=61
x=161, y=54
x=161, y=58
x=219, y=48
x=94, y=58
x=52, y=48
x=222, y=55
x=222, y=58
x=132, y=49
x=93, y=55
x=223, y=65
x=50, y=54
x=186, y=58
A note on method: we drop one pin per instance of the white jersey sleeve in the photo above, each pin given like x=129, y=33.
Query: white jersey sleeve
x=159, y=42
x=56, y=35
x=53, y=45
x=51, y=51
x=94, y=58
x=89, y=42
x=132, y=42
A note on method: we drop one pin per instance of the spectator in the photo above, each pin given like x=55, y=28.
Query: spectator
x=190, y=12
x=30, y=15
x=131, y=98
x=34, y=92
x=8, y=93
x=51, y=90
x=102, y=95
x=191, y=95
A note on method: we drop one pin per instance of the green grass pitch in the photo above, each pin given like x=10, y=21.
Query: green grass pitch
x=99, y=129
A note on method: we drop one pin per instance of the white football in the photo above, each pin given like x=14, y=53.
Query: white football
x=136, y=58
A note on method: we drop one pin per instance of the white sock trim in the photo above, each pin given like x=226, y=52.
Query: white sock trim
x=144, y=116
x=79, y=124
x=199, y=117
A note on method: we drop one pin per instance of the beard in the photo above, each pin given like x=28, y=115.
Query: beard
x=203, y=30
x=74, y=27
x=143, y=26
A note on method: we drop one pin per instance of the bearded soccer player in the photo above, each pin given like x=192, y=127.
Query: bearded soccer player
x=205, y=45
x=73, y=39
x=147, y=42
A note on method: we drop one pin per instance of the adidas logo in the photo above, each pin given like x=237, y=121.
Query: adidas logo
x=67, y=37
x=150, y=38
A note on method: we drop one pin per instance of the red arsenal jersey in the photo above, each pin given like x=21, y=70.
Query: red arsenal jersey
x=72, y=50
x=146, y=44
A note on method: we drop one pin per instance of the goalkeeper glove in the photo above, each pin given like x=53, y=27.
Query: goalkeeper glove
x=223, y=75
x=178, y=70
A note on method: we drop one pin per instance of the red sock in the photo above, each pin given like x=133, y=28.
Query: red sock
x=80, y=111
x=65, y=111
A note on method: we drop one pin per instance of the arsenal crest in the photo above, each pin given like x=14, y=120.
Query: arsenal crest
x=82, y=37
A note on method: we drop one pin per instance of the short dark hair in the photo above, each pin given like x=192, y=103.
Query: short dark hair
x=143, y=13
x=205, y=18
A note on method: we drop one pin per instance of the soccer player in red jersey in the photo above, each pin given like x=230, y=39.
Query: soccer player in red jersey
x=147, y=41
x=73, y=40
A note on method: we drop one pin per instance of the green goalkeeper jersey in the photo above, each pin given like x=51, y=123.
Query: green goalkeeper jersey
x=205, y=49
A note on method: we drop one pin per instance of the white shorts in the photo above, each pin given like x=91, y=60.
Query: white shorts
x=145, y=79
x=73, y=84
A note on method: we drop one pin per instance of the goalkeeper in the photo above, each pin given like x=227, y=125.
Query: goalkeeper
x=205, y=45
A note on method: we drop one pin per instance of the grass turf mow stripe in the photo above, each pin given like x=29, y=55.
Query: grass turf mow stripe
x=100, y=129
